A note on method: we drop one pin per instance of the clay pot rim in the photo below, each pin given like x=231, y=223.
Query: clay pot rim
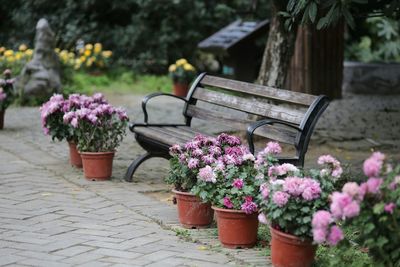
x=289, y=238
x=230, y=210
x=182, y=193
x=96, y=153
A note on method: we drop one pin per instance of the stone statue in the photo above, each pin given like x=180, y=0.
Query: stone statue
x=40, y=77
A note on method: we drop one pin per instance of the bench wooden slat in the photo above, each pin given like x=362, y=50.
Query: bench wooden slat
x=178, y=132
x=254, y=106
x=259, y=90
x=211, y=115
x=273, y=132
x=156, y=133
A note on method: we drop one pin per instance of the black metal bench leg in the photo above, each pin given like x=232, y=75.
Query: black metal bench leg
x=135, y=164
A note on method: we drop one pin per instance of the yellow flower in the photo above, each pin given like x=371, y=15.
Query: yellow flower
x=97, y=48
x=106, y=53
x=87, y=52
x=63, y=55
x=181, y=62
x=82, y=59
x=172, y=68
x=78, y=64
x=18, y=55
x=22, y=47
x=10, y=59
x=29, y=52
x=89, y=47
x=57, y=50
x=188, y=67
x=71, y=55
x=8, y=53
x=89, y=62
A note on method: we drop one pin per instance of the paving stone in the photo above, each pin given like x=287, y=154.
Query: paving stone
x=8, y=259
x=40, y=255
x=37, y=262
x=159, y=255
x=72, y=251
x=94, y=264
x=83, y=258
x=117, y=253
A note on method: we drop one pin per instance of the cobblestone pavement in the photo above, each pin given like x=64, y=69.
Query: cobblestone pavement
x=51, y=216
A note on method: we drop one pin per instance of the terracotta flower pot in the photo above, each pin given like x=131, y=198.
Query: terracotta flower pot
x=181, y=89
x=192, y=212
x=236, y=229
x=2, y=112
x=97, y=166
x=74, y=157
x=291, y=251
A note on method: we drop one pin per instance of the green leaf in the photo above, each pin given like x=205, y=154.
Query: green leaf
x=381, y=241
x=312, y=12
x=378, y=208
x=305, y=209
x=322, y=23
x=369, y=227
x=349, y=18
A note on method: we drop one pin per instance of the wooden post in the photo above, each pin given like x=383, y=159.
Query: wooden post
x=317, y=63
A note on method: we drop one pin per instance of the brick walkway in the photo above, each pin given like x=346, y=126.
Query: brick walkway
x=51, y=216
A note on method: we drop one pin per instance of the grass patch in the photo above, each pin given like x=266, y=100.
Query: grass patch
x=122, y=82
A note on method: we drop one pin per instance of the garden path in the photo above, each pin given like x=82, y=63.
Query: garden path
x=50, y=215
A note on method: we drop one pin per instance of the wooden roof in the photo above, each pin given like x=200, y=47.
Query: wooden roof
x=233, y=34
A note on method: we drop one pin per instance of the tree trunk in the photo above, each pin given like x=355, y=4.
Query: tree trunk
x=317, y=64
x=278, y=50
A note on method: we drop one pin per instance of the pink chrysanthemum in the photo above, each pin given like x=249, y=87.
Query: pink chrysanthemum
x=280, y=198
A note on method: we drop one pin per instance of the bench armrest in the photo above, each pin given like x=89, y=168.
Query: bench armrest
x=148, y=97
x=252, y=127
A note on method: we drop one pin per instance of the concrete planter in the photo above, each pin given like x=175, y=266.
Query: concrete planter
x=371, y=78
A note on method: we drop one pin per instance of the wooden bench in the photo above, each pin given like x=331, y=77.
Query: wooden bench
x=279, y=115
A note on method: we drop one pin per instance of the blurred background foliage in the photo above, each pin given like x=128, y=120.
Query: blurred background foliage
x=144, y=35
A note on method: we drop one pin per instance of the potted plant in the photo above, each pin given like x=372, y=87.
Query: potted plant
x=6, y=95
x=54, y=124
x=230, y=185
x=182, y=73
x=185, y=164
x=99, y=128
x=289, y=198
x=371, y=207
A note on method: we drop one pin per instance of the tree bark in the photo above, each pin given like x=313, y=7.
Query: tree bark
x=278, y=50
x=317, y=64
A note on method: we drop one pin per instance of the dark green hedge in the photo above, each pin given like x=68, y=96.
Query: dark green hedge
x=144, y=34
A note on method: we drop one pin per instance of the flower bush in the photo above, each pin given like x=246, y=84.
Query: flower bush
x=7, y=94
x=15, y=60
x=189, y=159
x=98, y=126
x=92, y=57
x=53, y=111
x=182, y=71
x=372, y=207
x=289, y=197
x=228, y=179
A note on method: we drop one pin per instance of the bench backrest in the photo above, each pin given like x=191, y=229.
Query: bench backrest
x=251, y=102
